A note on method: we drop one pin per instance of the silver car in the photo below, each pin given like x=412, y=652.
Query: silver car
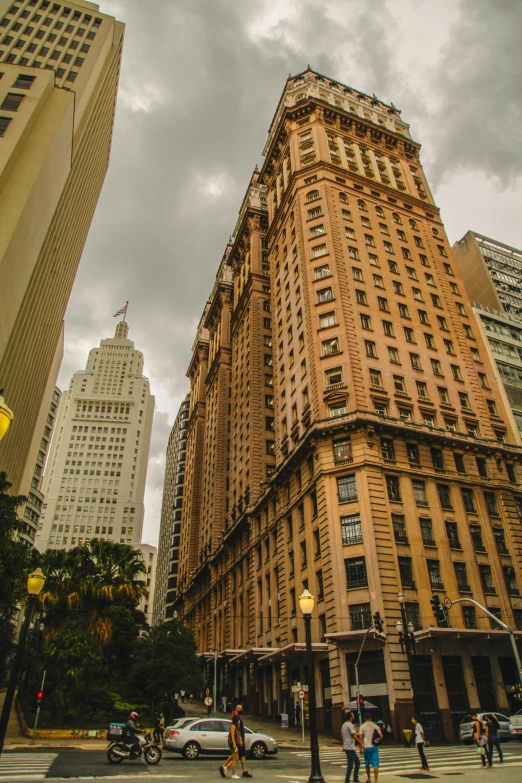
x=466, y=726
x=210, y=735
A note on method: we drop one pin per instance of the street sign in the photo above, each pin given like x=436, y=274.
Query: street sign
x=301, y=694
x=208, y=701
x=448, y=603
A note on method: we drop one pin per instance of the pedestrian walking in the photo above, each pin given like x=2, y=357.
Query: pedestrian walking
x=350, y=737
x=233, y=740
x=182, y=694
x=223, y=703
x=479, y=738
x=297, y=714
x=420, y=742
x=240, y=735
x=157, y=728
x=191, y=698
x=492, y=738
x=371, y=735
x=162, y=725
x=176, y=699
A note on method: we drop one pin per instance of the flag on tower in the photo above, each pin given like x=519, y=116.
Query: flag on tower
x=123, y=310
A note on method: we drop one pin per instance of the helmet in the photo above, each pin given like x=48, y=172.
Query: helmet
x=134, y=716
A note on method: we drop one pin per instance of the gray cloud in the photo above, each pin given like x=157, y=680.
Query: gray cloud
x=200, y=83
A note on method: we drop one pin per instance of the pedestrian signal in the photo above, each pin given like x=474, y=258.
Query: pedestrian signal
x=39, y=696
x=378, y=622
x=361, y=701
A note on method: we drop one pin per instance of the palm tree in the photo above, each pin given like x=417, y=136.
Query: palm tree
x=91, y=579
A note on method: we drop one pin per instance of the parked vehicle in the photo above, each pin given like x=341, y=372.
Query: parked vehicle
x=211, y=736
x=516, y=725
x=466, y=726
x=119, y=750
x=180, y=723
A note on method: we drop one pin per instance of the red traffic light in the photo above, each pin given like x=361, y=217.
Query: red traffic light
x=361, y=700
x=40, y=695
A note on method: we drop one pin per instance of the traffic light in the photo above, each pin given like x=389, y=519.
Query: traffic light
x=378, y=622
x=361, y=701
x=39, y=697
x=438, y=610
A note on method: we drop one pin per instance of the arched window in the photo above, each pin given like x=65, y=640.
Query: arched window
x=413, y=224
x=343, y=197
x=312, y=195
x=379, y=211
x=397, y=218
x=435, y=232
x=362, y=205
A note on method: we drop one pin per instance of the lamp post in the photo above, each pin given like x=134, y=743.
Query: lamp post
x=306, y=602
x=35, y=582
x=215, y=679
x=6, y=416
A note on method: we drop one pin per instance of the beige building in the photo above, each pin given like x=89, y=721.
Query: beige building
x=370, y=451
x=94, y=482
x=59, y=78
x=171, y=511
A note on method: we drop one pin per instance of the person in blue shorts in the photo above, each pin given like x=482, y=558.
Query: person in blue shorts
x=371, y=751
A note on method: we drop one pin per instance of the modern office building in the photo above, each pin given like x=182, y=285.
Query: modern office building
x=492, y=274
x=31, y=511
x=170, y=525
x=94, y=483
x=365, y=446
x=60, y=64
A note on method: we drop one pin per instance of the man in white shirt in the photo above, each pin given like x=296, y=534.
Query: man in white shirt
x=420, y=741
x=371, y=751
x=350, y=737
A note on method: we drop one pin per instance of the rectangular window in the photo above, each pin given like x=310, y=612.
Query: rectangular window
x=422, y=390
x=393, y=353
x=370, y=348
x=356, y=575
x=334, y=376
x=406, y=572
x=510, y=578
x=476, y=537
x=12, y=101
x=444, y=494
x=459, y=463
x=342, y=449
x=366, y=321
x=325, y=295
x=409, y=334
x=4, y=124
x=426, y=531
x=330, y=346
x=403, y=310
x=419, y=492
x=486, y=578
x=469, y=616
x=387, y=449
x=500, y=541
x=318, y=251
x=436, y=367
x=413, y=454
x=357, y=274
x=346, y=488
x=361, y=297
x=387, y=327
x=453, y=535
x=337, y=409
x=351, y=529
x=415, y=361
x=376, y=378
x=360, y=617
x=399, y=528
x=393, y=487
x=326, y=320
x=481, y=467
x=461, y=576
x=378, y=281
x=491, y=503
x=430, y=342
x=467, y=499
x=383, y=304
x=434, y=575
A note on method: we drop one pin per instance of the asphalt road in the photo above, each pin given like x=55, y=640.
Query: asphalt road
x=289, y=766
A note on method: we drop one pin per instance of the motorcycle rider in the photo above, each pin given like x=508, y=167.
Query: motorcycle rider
x=132, y=734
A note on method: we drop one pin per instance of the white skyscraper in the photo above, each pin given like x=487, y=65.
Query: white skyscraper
x=95, y=477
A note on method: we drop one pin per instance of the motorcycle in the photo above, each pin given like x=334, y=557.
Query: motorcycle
x=119, y=750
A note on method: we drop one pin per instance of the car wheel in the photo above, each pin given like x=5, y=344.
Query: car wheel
x=191, y=751
x=258, y=750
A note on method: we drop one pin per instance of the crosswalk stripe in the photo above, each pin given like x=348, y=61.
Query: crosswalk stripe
x=25, y=766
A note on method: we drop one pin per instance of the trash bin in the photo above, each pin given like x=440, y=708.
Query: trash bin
x=284, y=720
x=407, y=737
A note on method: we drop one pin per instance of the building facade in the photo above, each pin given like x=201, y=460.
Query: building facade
x=492, y=274
x=94, y=482
x=171, y=511
x=60, y=72
x=370, y=449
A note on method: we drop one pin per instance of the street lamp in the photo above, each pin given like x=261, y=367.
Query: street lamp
x=6, y=416
x=175, y=614
x=306, y=602
x=35, y=583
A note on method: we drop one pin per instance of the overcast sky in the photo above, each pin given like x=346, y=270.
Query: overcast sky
x=199, y=85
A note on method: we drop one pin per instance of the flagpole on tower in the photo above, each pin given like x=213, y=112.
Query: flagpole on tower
x=125, y=313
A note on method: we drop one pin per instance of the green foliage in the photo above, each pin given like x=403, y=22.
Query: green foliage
x=14, y=560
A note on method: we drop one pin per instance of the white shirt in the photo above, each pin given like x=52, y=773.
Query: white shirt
x=347, y=731
x=418, y=734
x=367, y=730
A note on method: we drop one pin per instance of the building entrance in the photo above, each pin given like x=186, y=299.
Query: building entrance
x=484, y=682
x=425, y=696
x=456, y=689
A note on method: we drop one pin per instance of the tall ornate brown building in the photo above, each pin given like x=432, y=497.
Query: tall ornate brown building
x=346, y=402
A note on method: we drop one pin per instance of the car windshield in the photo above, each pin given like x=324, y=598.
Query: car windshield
x=466, y=719
x=517, y=713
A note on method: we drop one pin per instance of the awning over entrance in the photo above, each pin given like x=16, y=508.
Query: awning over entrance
x=231, y=654
x=292, y=651
x=352, y=638
x=247, y=656
x=464, y=634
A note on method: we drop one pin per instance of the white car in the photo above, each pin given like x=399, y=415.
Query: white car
x=516, y=725
x=210, y=735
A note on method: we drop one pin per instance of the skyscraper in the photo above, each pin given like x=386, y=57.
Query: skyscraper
x=171, y=510
x=492, y=274
x=94, y=483
x=368, y=460
x=58, y=83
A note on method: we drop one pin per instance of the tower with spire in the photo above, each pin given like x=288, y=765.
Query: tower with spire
x=94, y=483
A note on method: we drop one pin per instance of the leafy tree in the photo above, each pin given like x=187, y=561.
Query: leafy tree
x=165, y=661
x=14, y=559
